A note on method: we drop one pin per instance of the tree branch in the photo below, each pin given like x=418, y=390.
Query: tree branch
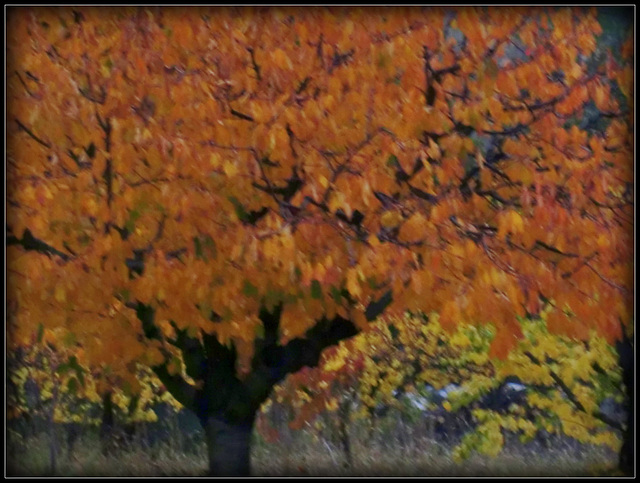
x=256, y=67
x=244, y=117
x=33, y=136
x=29, y=242
x=184, y=393
x=572, y=397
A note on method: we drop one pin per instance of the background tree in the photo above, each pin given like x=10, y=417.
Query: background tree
x=226, y=192
x=47, y=387
x=52, y=392
x=406, y=362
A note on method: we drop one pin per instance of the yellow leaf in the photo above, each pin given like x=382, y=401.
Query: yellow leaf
x=230, y=168
x=352, y=283
x=60, y=294
x=282, y=60
x=332, y=404
x=517, y=222
x=390, y=219
x=333, y=364
x=336, y=201
x=214, y=160
x=433, y=150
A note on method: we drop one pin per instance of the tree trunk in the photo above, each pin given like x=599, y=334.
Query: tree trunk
x=371, y=430
x=627, y=450
x=106, y=426
x=130, y=425
x=73, y=432
x=228, y=446
x=225, y=404
x=626, y=361
x=53, y=440
x=343, y=421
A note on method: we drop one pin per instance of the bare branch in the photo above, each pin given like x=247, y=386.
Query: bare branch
x=33, y=136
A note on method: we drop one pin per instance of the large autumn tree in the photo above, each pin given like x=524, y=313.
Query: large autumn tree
x=222, y=193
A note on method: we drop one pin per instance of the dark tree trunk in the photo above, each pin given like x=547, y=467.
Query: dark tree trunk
x=129, y=429
x=73, y=432
x=343, y=422
x=228, y=446
x=53, y=440
x=626, y=361
x=226, y=404
x=106, y=426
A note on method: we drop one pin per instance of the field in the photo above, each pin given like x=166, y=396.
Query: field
x=303, y=453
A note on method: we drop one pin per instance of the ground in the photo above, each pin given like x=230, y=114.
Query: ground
x=304, y=454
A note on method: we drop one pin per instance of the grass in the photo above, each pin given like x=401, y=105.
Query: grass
x=425, y=457
x=88, y=459
x=303, y=454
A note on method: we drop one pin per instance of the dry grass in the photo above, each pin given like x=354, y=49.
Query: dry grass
x=428, y=458
x=88, y=460
x=304, y=455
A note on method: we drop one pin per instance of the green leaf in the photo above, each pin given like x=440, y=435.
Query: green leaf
x=241, y=213
x=84, y=239
x=205, y=309
x=392, y=161
x=249, y=289
x=73, y=364
x=130, y=224
x=335, y=293
x=211, y=246
x=133, y=404
x=126, y=388
x=72, y=386
x=124, y=294
x=198, y=247
x=40, y=332
x=227, y=314
x=80, y=376
x=491, y=68
x=316, y=289
x=69, y=339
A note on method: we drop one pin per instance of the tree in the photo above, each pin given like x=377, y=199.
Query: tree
x=50, y=390
x=223, y=193
x=412, y=358
x=48, y=386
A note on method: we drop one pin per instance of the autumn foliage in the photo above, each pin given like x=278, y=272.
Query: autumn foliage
x=406, y=357
x=176, y=174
